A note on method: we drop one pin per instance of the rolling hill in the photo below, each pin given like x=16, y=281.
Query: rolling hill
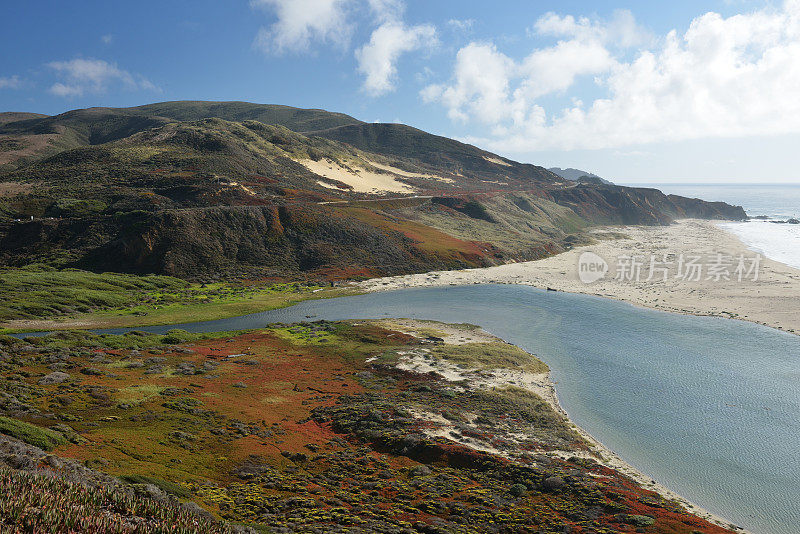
x=208, y=190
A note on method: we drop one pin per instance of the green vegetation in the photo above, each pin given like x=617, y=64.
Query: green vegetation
x=68, y=339
x=153, y=189
x=38, y=291
x=490, y=356
x=70, y=298
x=31, y=434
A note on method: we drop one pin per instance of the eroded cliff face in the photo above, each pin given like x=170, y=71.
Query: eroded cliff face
x=610, y=204
x=261, y=241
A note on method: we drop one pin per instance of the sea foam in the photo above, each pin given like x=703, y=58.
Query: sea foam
x=780, y=242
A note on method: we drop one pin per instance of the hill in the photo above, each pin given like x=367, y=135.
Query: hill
x=214, y=190
x=576, y=175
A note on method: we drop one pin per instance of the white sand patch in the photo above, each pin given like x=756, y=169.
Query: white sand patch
x=452, y=334
x=240, y=186
x=497, y=161
x=361, y=180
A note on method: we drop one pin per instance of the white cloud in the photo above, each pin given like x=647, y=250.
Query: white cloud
x=81, y=76
x=387, y=10
x=107, y=38
x=621, y=30
x=301, y=22
x=481, y=86
x=377, y=60
x=462, y=25
x=723, y=77
x=10, y=82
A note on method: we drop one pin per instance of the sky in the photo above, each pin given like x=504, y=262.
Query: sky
x=636, y=92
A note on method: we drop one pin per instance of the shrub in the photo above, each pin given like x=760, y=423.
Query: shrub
x=31, y=434
x=163, y=485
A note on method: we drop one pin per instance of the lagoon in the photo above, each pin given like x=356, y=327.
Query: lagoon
x=708, y=407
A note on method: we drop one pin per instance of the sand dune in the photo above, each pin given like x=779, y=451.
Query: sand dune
x=360, y=180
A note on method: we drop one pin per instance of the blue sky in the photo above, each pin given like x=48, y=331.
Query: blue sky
x=634, y=91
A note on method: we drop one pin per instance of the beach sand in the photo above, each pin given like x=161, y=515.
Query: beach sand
x=771, y=300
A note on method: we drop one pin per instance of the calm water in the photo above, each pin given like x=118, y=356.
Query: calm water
x=709, y=407
x=780, y=242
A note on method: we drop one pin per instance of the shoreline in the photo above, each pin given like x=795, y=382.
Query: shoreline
x=542, y=385
x=770, y=301
x=611, y=459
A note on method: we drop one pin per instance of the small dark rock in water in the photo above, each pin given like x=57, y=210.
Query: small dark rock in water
x=53, y=378
x=761, y=217
x=793, y=221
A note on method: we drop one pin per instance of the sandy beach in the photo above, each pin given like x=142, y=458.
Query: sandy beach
x=771, y=299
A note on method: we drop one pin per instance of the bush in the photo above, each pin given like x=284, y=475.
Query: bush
x=177, y=336
x=163, y=485
x=31, y=434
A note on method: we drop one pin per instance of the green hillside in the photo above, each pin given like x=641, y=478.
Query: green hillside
x=219, y=190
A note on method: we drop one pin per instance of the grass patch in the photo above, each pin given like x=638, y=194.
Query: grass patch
x=490, y=356
x=68, y=339
x=42, y=298
x=138, y=392
x=38, y=291
x=31, y=434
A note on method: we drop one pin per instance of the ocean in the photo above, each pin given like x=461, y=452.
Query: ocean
x=777, y=202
